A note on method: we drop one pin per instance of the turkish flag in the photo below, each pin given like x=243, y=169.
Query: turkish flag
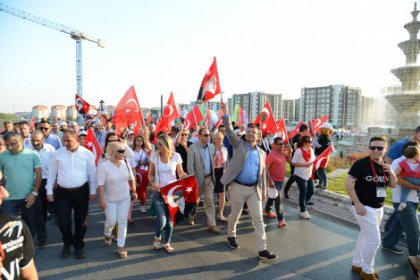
x=321, y=161
x=218, y=123
x=170, y=113
x=128, y=112
x=314, y=125
x=193, y=118
x=187, y=188
x=208, y=118
x=266, y=119
x=295, y=130
x=149, y=119
x=142, y=180
x=92, y=144
x=81, y=105
x=282, y=131
x=210, y=86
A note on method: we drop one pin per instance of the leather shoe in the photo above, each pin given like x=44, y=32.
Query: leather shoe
x=65, y=253
x=214, y=229
x=80, y=254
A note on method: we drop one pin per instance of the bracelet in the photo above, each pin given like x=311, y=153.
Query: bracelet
x=35, y=193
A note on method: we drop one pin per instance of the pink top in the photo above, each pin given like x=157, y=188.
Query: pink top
x=277, y=162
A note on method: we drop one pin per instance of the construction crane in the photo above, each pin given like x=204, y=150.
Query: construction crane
x=74, y=34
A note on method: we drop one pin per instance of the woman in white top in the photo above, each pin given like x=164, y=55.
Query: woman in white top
x=302, y=161
x=220, y=161
x=115, y=183
x=162, y=171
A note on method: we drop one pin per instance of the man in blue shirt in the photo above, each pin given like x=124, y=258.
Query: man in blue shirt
x=247, y=175
x=396, y=150
x=49, y=138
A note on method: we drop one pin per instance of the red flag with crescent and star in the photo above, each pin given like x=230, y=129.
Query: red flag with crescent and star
x=282, y=131
x=314, y=125
x=178, y=193
x=193, y=118
x=210, y=86
x=295, y=130
x=321, y=161
x=170, y=114
x=128, y=112
x=92, y=144
x=266, y=119
x=150, y=119
x=81, y=105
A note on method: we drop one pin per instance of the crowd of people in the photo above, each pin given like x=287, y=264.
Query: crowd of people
x=47, y=170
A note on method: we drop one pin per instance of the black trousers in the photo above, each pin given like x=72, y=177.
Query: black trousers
x=78, y=202
x=291, y=180
x=41, y=212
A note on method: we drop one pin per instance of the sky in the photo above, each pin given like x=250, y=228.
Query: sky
x=159, y=46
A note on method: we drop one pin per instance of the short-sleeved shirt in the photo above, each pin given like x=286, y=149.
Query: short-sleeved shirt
x=115, y=180
x=396, y=150
x=367, y=183
x=20, y=172
x=303, y=172
x=17, y=244
x=165, y=173
x=396, y=192
x=277, y=162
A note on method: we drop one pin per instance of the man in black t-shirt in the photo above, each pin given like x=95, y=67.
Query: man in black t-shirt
x=366, y=185
x=16, y=245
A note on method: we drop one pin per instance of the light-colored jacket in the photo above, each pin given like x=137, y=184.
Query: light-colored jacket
x=240, y=153
x=195, y=162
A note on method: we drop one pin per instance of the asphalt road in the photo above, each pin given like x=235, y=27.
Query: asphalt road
x=315, y=249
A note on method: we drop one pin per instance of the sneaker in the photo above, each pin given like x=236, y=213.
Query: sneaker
x=232, y=243
x=286, y=195
x=309, y=203
x=269, y=214
x=65, y=253
x=221, y=218
x=394, y=250
x=402, y=206
x=266, y=256
x=143, y=209
x=282, y=224
x=305, y=215
x=157, y=244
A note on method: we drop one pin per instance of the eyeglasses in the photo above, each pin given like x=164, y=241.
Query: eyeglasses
x=121, y=151
x=184, y=134
x=279, y=144
x=372, y=148
x=11, y=144
x=43, y=128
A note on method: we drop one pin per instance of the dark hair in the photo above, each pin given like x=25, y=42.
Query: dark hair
x=23, y=123
x=277, y=139
x=44, y=122
x=412, y=151
x=11, y=134
x=6, y=122
x=303, y=140
x=175, y=129
x=409, y=144
x=303, y=127
x=134, y=142
x=378, y=138
x=221, y=126
x=200, y=131
x=417, y=129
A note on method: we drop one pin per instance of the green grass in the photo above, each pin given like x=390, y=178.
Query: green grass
x=336, y=185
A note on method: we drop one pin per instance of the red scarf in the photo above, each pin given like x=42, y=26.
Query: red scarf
x=306, y=154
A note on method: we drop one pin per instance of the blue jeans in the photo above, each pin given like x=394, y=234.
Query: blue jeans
x=404, y=191
x=163, y=220
x=408, y=222
x=323, y=181
x=277, y=201
x=12, y=208
x=306, y=190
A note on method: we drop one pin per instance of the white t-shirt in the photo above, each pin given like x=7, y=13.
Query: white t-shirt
x=165, y=173
x=303, y=172
x=396, y=192
x=139, y=157
x=115, y=180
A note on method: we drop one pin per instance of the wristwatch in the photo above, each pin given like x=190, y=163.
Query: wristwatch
x=35, y=193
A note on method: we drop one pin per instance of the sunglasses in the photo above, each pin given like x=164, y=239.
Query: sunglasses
x=43, y=128
x=186, y=134
x=372, y=148
x=121, y=151
x=310, y=142
x=279, y=144
x=110, y=141
x=205, y=135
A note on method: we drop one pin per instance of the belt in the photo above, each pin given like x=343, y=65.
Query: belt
x=72, y=189
x=246, y=185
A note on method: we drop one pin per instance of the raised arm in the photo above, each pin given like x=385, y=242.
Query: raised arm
x=227, y=123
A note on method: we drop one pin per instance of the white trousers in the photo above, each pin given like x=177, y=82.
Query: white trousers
x=369, y=238
x=238, y=196
x=117, y=211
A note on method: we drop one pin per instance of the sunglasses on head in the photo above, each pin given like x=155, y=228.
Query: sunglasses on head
x=121, y=151
x=372, y=148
